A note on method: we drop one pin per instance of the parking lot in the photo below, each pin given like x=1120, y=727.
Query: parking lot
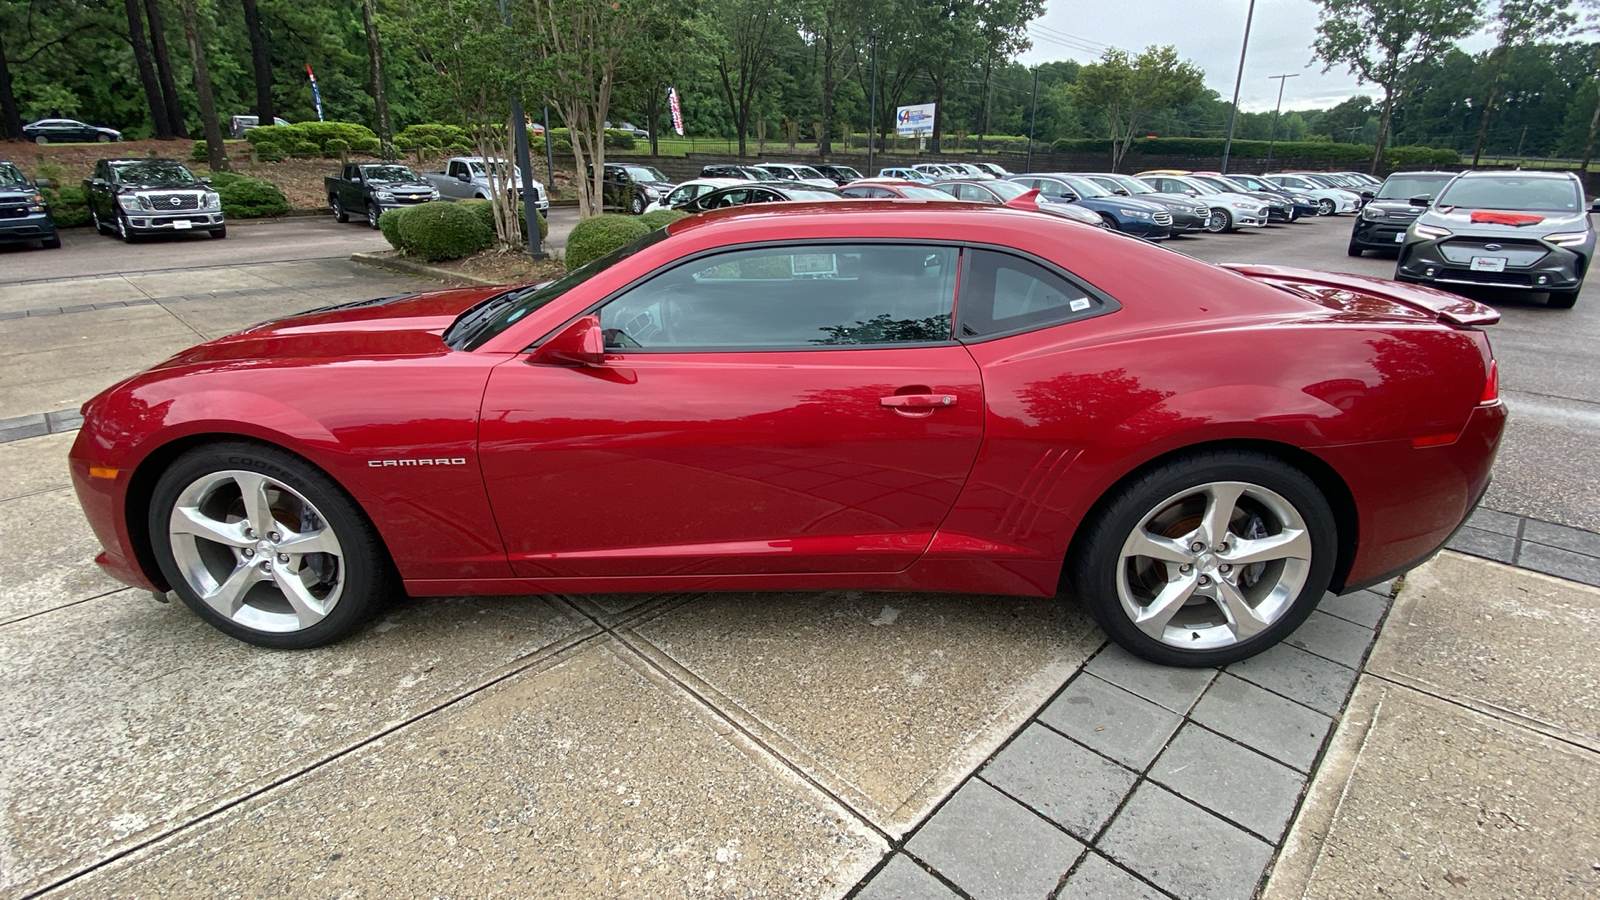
x=754, y=744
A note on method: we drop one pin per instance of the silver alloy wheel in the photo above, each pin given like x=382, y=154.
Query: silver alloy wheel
x=120, y=225
x=1218, y=222
x=372, y=214
x=1213, y=565
x=1325, y=207
x=256, y=551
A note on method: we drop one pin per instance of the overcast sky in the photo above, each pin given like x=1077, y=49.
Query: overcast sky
x=1209, y=33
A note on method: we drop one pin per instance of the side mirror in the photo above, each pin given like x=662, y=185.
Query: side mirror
x=1421, y=200
x=206, y=180
x=42, y=182
x=463, y=177
x=578, y=344
x=1595, y=206
x=1122, y=192
x=1367, y=195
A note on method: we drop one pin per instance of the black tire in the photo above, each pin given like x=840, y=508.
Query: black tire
x=638, y=205
x=123, y=229
x=1326, y=207
x=94, y=219
x=373, y=214
x=1563, y=299
x=1354, y=249
x=53, y=242
x=1098, y=570
x=103, y=138
x=40, y=139
x=363, y=571
x=1220, y=222
x=339, y=214
x=218, y=233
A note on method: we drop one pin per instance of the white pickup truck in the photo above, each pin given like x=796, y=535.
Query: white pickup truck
x=467, y=177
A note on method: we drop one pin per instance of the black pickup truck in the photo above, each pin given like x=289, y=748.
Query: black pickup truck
x=24, y=216
x=367, y=189
x=143, y=196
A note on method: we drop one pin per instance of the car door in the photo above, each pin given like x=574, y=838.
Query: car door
x=766, y=409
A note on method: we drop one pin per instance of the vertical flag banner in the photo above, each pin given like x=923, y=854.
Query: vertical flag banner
x=677, y=111
x=315, y=94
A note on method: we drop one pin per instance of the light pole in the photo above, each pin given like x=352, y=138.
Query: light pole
x=1233, y=116
x=1033, y=119
x=519, y=135
x=1282, y=79
x=872, y=115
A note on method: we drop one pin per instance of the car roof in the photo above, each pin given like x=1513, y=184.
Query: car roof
x=140, y=159
x=1519, y=173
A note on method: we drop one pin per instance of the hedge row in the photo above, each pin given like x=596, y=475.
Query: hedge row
x=437, y=231
x=312, y=140
x=248, y=198
x=456, y=139
x=1258, y=150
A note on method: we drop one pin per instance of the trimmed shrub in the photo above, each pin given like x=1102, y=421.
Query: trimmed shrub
x=596, y=236
x=198, y=153
x=619, y=140
x=69, y=206
x=413, y=136
x=276, y=135
x=389, y=224
x=438, y=231
x=368, y=146
x=335, y=146
x=270, y=153
x=661, y=218
x=1205, y=146
x=460, y=148
x=250, y=198
x=305, y=150
x=1081, y=145
x=320, y=133
x=484, y=210
x=223, y=179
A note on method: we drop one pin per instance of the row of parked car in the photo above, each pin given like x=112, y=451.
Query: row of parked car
x=1152, y=205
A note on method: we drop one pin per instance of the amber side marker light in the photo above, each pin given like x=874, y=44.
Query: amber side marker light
x=102, y=472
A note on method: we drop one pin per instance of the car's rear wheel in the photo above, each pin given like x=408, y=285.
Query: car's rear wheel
x=265, y=547
x=1219, y=222
x=339, y=213
x=1326, y=207
x=1564, y=299
x=1207, y=559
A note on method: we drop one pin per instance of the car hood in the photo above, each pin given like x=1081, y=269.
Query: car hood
x=657, y=185
x=403, y=325
x=1183, y=201
x=1458, y=219
x=163, y=186
x=1396, y=207
x=1229, y=196
x=418, y=184
x=16, y=191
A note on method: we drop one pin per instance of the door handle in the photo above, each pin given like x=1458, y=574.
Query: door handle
x=918, y=401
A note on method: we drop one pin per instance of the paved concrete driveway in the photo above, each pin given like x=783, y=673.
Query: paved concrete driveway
x=684, y=745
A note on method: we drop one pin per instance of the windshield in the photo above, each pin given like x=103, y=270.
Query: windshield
x=1084, y=187
x=495, y=314
x=1252, y=183
x=645, y=173
x=918, y=192
x=762, y=175
x=156, y=171
x=501, y=170
x=10, y=174
x=1513, y=192
x=1008, y=190
x=846, y=172
x=1319, y=180
x=1132, y=185
x=1405, y=186
x=807, y=172
x=387, y=173
x=1194, y=184
x=1213, y=184
x=813, y=193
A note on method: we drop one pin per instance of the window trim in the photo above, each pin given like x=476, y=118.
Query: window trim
x=1108, y=303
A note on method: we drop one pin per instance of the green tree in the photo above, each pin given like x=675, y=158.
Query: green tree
x=1128, y=90
x=1516, y=24
x=1382, y=41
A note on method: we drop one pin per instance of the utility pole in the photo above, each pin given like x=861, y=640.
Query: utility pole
x=549, y=153
x=519, y=134
x=1227, y=146
x=872, y=116
x=1282, y=79
x=1033, y=119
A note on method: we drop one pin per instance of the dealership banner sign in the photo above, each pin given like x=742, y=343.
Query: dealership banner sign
x=911, y=121
x=677, y=111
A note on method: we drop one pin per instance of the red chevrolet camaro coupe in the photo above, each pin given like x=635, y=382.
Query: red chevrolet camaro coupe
x=890, y=395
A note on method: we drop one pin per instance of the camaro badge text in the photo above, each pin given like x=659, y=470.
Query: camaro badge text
x=452, y=461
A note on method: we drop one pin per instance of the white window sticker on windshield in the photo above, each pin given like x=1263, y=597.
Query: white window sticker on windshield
x=812, y=264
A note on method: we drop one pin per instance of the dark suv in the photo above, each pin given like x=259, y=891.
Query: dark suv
x=743, y=173
x=1382, y=223
x=24, y=214
x=634, y=187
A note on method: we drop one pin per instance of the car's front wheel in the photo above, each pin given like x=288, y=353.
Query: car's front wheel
x=103, y=138
x=373, y=214
x=40, y=139
x=1219, y=222
x=123, y=229
x=638, y=205
x=1354, y=249
x=265, y=547
x=1206, y=559
x=94, y=219
x=1326, y=207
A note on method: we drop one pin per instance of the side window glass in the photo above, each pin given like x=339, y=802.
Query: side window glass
x=972, y=192
x=1001, y=293
x=793, y=297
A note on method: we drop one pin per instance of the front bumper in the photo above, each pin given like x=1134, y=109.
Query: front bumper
x=1186, y=222
x=38, y=226
x=540, y=201
x=147, y=222
x=1148, y=229
x=1387, y=233
x=1447, y=261
x=1284, y=213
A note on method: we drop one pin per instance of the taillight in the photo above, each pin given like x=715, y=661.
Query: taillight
x=1491, y=388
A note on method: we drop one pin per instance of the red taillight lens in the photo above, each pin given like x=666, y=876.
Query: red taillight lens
x=1491, y=388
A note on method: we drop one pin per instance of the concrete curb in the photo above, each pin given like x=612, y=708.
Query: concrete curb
x=378, y=259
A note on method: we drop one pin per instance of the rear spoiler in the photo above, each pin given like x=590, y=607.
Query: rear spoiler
x=1452, y=308
x=1028, y=201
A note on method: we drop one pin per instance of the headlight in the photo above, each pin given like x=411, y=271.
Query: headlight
x=1429, y=231
x=652, y=193
x=382, y=195
x=130, y=201
x=1570, y=239
x=1372, y=212
x=1240, y=204
x=1134, y=213
x=213, y=201
x=433, y=194
x=1305, y=201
